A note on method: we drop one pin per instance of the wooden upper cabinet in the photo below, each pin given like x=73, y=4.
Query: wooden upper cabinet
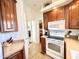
x=67, y=17
x=8, y=15
x=53, y=15
x=72, y=13
x=0, y=16
x=60, y=13
x=56, y=14
x=69, y=12
x=45, y=17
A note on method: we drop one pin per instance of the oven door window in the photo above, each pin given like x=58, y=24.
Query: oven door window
x=54, y=47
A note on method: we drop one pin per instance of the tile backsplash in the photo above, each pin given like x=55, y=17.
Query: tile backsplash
x=74, y=31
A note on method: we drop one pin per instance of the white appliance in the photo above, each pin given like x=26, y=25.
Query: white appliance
x=56, y=25
x=55, y=48
x=55, y=40
x=1, y=52
x=56, y=4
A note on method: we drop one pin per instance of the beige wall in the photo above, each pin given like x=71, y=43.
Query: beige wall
x=33, y=14
x=71, y=44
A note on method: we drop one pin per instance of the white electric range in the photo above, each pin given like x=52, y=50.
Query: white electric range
x=55, y=39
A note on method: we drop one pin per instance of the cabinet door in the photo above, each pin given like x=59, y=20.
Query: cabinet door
x=17, y=55
x=20, y=55
x=67, y=22
x=14, y=57
x=52, y=15
x=56, y=14
x=43, y=45
x=0, y=15
x=74, y=15
x=60, y=13
x=45, y=17
x=9, y=22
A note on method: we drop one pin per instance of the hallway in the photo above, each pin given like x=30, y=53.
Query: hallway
x=34, y=52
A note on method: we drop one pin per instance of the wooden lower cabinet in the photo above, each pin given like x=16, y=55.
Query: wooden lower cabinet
x=17, y=55
x=43, y=45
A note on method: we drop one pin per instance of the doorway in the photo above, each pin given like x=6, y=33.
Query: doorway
x=33, y=31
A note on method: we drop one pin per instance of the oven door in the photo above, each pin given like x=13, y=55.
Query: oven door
x=55, y=47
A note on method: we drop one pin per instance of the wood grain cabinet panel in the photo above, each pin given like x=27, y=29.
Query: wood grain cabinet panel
x=67, y=17
x=72, y=13
x=43, y=45
x=0, y=16
x=17, y=55
x=52, y=16
x=8, y=15
x=60, y=13
x=45, y=17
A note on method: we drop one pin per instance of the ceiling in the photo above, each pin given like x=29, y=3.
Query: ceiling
x=37, y=3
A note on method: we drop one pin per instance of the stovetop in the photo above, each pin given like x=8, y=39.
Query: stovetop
x=55, y=37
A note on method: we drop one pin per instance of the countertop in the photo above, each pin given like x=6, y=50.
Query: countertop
x=71, y=45
x=16, y=46
x=53, y=37
x=44, y=36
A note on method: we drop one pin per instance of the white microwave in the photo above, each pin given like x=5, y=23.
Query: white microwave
x=56, y=25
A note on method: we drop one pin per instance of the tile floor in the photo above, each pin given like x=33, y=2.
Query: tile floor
x=34, y=52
